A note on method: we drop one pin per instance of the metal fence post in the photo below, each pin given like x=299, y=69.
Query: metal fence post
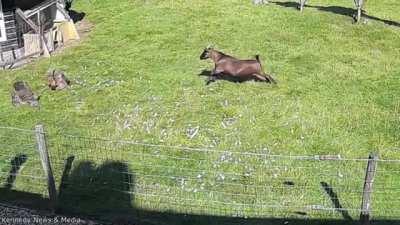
x=44, y=158
x=367, y=191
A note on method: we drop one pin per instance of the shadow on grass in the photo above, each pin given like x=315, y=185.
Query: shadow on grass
x=335, y=201
x=16, y=164
x=16, y=197
x=210, y=79
x=344, y=11
x=89, y=191
x=97, y=191
x=75, y=16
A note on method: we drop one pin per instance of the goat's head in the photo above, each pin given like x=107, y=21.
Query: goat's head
x=206, y=53
x=51, y=81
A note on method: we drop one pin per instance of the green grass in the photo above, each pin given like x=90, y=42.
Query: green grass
x=337, y=91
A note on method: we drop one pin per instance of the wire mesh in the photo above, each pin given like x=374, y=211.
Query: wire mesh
x=207, y=182
x=386, y=190
x=20, y=165
x=96, y=175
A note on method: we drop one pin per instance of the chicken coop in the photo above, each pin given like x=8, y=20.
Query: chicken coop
x=28, y=28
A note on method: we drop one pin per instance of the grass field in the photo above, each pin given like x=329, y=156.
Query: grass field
x=137, y=77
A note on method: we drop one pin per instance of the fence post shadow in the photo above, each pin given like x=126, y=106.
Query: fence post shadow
x=64, y=177
x=339, y=10
x=335, y=201
x=87, y=190
x=8, y=195
x=16, y=164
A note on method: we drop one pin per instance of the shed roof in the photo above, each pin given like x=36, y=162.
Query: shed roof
x=23, y=4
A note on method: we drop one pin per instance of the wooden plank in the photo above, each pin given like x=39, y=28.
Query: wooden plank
x=27, y=20
x=68, y=31
x=10, y=64
x=41, y=7
x=62, y=11
x=32, y=43
x=44, y=157
x=49, y=39
x=46, y=52
x=43, y=45
x=1, y=52
x=367, y=191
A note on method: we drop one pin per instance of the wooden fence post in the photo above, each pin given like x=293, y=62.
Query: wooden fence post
x=43, y=43
x=359, y=5
x=302, y=3
x=367, y=191
x=44, y=158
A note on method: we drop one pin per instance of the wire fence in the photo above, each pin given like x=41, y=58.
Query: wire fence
x=20, y=164
x=203, y=181
x=96, y=176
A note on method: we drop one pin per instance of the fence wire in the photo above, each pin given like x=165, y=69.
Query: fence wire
x=386, y=190
x=95, y=176
x=210, y=182
x=20, y=165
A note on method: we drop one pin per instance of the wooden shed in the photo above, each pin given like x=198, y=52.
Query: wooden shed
x=19, y=18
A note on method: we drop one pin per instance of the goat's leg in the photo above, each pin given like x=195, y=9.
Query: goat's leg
x=270, y=78
x=213, y=76
x=265, y=78
x=216, y=72
x=259, y=77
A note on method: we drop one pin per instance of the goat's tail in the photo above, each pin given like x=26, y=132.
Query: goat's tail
x=259, y=61
x=269, y=78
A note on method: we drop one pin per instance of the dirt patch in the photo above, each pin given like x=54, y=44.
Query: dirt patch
x=84, y=27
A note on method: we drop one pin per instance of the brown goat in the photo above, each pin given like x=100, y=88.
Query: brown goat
x=235, y=69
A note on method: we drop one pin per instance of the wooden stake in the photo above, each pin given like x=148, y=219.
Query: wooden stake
x=367, y=191
x=302, y=3
x=360, y=6
x=44, y=158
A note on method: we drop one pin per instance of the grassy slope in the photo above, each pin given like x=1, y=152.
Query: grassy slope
x=337, y=92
